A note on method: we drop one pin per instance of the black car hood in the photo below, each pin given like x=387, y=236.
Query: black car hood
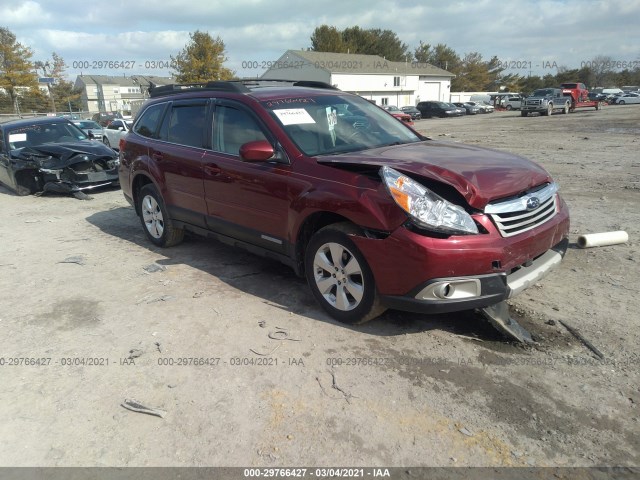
x=61, y=155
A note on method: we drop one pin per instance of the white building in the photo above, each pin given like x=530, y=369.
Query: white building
x=372, y=77
x=102, y=93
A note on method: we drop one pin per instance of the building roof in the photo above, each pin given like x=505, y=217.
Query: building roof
x=356, y=63
x=123, y=81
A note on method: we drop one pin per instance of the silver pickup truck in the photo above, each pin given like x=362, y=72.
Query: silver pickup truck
x=545, y=101
x=116, y=130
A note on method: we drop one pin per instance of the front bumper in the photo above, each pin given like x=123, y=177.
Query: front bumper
x=442, y=295
x=422, y=273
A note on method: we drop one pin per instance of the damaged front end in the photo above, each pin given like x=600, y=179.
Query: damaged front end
x=63, y=169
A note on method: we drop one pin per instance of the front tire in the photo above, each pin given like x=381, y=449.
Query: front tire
x=509, y=108
x=565, y=110
x=339, y=276
x=155, y=220
x=105, y=140
x=621, y=102
x=549, y=111
x=523, y=114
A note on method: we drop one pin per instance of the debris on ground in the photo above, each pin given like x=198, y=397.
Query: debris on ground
x=134, y=353
x=135, y=406
x=78, y=260
x=153, y=268
x=584, y=341
x=498, y=315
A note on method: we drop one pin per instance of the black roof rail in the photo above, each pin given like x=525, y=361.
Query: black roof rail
x=215, y=85
x=237, y=86
x=294, y=83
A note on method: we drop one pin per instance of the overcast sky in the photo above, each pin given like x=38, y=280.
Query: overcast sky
x=531, y=33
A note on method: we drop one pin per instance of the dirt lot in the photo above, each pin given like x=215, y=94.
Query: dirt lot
x=193, y=338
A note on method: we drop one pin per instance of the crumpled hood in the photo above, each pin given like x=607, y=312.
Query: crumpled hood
x=480, y=175
x=61, y=155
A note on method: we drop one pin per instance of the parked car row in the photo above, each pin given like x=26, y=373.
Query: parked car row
x=399, y=114
x=625, y=98
x=430, y=109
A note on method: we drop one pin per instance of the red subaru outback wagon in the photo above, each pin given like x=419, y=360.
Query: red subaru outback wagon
x=375, y=215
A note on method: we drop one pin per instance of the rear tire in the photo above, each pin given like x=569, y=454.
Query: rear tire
x=339, y=276
x=155, y=220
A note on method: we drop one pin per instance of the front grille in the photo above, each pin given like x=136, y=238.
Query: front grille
x=518, y=215
x=534, y=102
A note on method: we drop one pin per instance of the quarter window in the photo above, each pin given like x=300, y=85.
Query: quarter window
x=147, y=126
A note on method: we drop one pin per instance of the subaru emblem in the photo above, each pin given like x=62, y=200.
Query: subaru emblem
x=533, y=203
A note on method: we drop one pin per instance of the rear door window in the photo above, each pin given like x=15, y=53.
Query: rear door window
x=184, y=123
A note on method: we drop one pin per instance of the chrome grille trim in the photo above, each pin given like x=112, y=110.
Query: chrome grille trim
x=512, y=216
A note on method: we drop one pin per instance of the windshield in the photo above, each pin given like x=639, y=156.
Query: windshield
x=38, y=134
x=88, y=124
x=543, y=92
x=330, y=124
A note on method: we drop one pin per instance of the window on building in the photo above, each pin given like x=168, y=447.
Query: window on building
x=396, y=81
x=384, y=101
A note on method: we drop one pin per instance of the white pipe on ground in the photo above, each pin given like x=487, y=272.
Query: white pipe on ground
x=602, y=239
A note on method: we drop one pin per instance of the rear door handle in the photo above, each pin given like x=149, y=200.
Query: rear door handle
x=157, y=156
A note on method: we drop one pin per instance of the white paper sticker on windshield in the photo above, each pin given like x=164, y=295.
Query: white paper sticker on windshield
x=17, y=137
x=293, y=116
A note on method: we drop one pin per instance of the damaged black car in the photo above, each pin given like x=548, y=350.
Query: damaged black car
x=41, y=155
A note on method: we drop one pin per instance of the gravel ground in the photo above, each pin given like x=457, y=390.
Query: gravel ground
x=188, y=330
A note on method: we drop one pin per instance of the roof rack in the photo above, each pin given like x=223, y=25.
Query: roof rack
x=294, y=83
x=155, y=91
x=237, y=86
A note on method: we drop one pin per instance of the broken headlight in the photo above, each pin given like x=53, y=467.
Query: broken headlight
x=426, y=208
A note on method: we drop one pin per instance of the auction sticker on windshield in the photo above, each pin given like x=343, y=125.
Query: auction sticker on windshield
x=293, y=116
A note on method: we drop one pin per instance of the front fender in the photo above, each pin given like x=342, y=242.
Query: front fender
x=366, y=204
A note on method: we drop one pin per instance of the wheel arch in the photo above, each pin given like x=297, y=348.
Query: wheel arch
x=309, y=226
x=139, y=181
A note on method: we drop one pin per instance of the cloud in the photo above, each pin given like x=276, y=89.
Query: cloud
x=23, y=14
x=564, y=31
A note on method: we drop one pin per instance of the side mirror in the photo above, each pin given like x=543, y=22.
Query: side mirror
x=91, y=135
x=257, y=151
